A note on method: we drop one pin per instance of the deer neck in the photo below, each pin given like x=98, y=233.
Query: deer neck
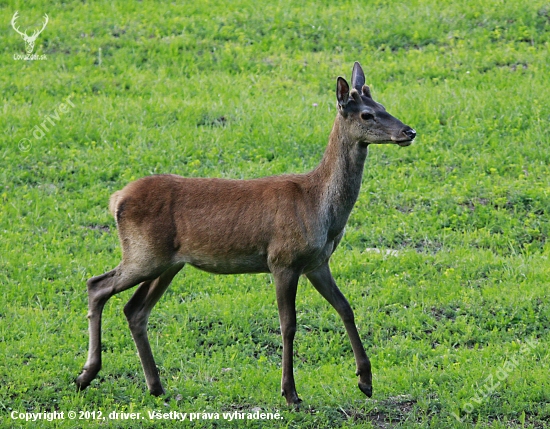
x=339, y=176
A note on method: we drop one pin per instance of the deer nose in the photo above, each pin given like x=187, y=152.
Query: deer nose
x=410, y=133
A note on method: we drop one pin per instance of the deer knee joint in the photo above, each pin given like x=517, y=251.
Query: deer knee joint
x=346, y=313
x=288, y=331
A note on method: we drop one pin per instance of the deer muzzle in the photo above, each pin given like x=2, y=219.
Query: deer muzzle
x=405, y=137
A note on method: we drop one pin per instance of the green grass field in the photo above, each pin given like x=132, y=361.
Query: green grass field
x=456, y=321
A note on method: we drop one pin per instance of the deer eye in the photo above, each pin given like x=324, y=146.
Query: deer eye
x=366, y=116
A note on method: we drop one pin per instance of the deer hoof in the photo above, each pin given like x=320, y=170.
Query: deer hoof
x=292, y=398
x=295, y=401
x=82, y=382
x=366, y=389
x=157, y=391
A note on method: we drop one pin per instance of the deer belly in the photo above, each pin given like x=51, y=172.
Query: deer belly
x=240, y=264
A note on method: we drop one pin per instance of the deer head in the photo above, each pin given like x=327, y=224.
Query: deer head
x=29, y=40
x=367, y=121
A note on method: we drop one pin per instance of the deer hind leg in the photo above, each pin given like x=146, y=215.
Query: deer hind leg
x=323, y=281
x=137, y=312
x=100, y=289
x=286, y=284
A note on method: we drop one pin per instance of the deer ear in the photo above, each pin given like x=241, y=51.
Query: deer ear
x=342, y=91
x=357, y=77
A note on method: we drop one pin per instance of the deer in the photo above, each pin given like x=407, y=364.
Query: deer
x=287, y=225
x=29, y=40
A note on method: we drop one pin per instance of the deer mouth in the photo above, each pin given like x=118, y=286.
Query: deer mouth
x=405, y=143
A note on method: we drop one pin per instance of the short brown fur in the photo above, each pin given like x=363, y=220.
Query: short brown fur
x=286, y=225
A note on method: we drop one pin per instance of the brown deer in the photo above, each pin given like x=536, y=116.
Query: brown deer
x=285, y=225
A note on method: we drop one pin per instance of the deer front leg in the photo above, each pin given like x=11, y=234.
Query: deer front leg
x=323, y=281
x=286, y=284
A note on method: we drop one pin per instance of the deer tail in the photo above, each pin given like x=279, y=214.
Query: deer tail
x=113, y=203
